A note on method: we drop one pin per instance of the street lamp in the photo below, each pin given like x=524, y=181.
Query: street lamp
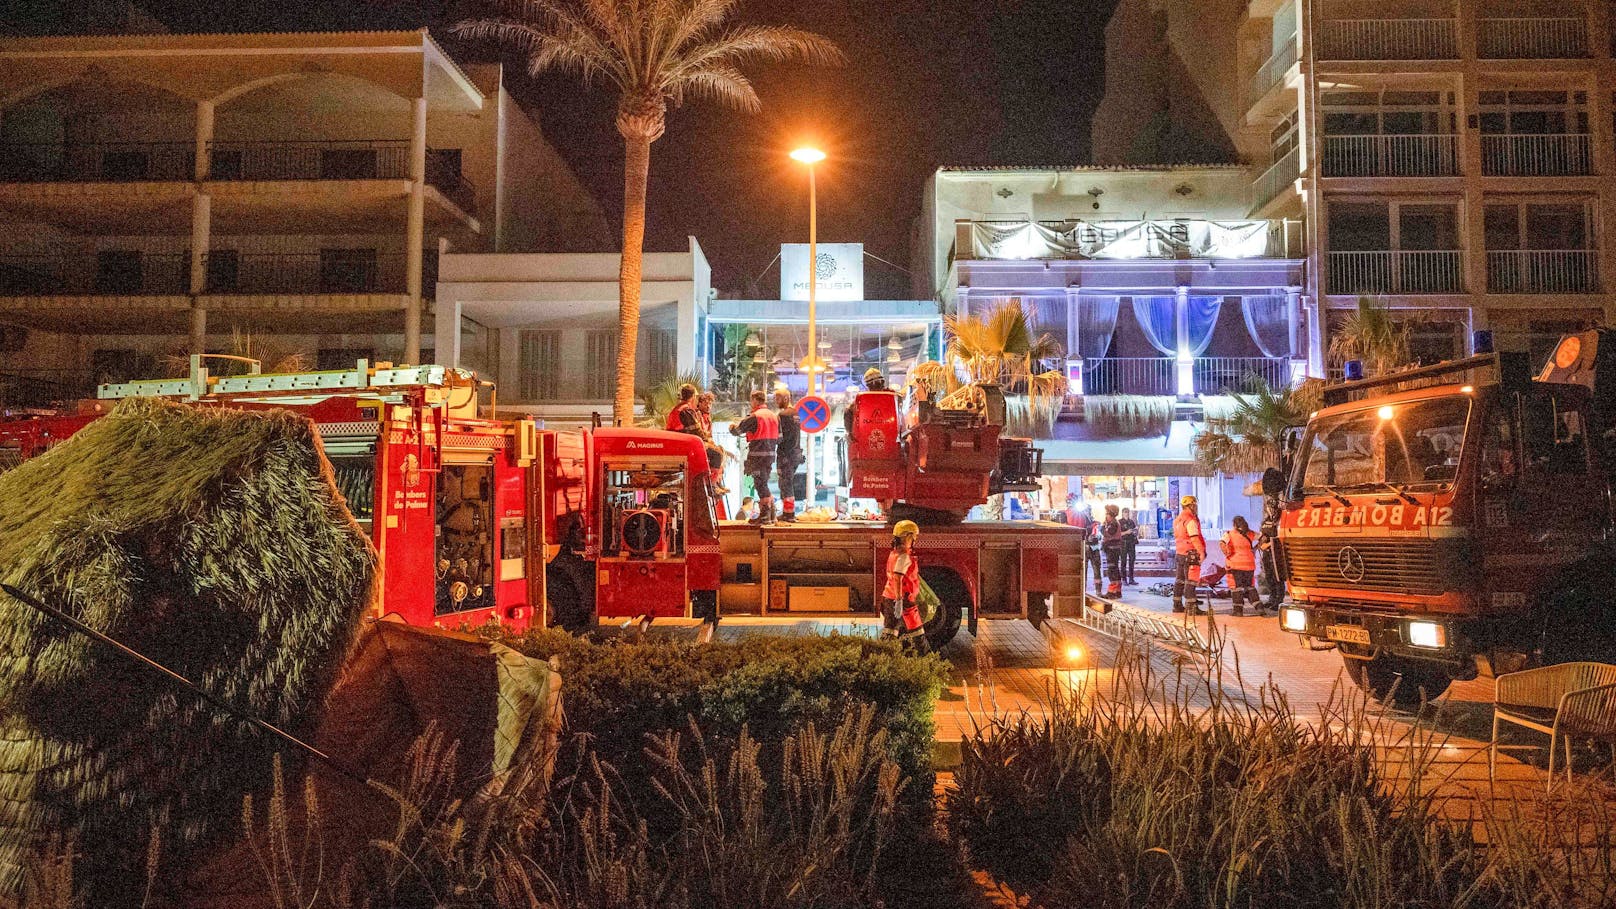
x=811, y=156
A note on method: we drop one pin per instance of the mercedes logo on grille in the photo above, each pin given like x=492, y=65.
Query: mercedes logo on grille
x=1349, y=562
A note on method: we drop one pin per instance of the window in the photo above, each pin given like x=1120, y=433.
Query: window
x=662, y=352
x=539, y=364
x=118, y=271
x=1540, y=247
x=224, y=270
x=601, y=363
x=1500, y=462
x=1556, y=442
x=1417, y=444
x=1388, y=113
x=1519, y=112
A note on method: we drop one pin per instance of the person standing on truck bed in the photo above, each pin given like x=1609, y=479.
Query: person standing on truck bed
x=684, y=416
x=762, y=430
x=873, y=381
x=788, y=456
x=1189, y=548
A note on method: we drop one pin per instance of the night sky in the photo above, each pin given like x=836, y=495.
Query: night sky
x=927, y=82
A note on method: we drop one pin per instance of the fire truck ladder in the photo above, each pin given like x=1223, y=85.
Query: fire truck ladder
x=323, y=383
x=1123, y=621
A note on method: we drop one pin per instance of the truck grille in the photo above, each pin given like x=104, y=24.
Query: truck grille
x=1393, y=566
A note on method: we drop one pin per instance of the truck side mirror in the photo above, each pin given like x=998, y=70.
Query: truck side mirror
x=1273, y=481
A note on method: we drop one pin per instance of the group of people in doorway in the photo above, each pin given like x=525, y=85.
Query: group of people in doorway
x=1113, y=547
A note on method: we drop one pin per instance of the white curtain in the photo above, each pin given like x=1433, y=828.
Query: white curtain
x=1158, y=317
x=1096, y=323
x=1268, y=320
x=1122, y=239
x=1203, y=319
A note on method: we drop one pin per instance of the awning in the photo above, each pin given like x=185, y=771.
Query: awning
x=1154, y=456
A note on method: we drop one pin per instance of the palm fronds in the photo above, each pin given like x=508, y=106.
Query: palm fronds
x=1372, y=336
x=1129, y=416
x=998, y=347
x=1246, y=437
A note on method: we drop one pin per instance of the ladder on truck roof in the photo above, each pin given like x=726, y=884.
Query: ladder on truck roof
x=378, y=380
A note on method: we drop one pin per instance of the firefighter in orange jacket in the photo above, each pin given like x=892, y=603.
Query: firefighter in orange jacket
x=684, y=416
x=901, y=618
x=1240, y=551
x=762, y=430
x=1189, y=546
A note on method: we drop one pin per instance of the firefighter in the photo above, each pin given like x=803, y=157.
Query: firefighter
x=873, y=381
x=762, y=430
x=1082, y=517
x=684, y=417
x=1240, y=552
x=788, y=455
x=1189, y=547
x=901, y=618
x=1111, y=544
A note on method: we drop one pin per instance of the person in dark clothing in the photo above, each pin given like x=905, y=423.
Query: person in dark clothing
x=1111, y=546
x=1268, y=559
x=762, y=430
x=1080, y=516
x=1130, y=545
x=788, y=454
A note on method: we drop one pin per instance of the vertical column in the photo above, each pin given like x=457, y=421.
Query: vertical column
x=446, y=346
x=1293, y=321
x=962, y=302
x=1316, y=314
x=1074, y=341
x=1186, y=363
x=201, y=224
x=1603, y=152
x=415, y=234
x=204, y=139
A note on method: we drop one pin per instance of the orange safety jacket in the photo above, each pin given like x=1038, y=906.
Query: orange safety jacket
x=1187, y=536
x=1241, y=551
x=904, y=584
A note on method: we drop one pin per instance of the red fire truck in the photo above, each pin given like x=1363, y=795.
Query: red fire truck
x=478, y=518
x=1456, y=519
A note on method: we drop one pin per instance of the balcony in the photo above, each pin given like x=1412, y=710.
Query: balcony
x=1272, y=73
x=356, y=271
x=1542, y=271
x=369, y=159
x=97, y=162
x=1221, y=375
x=1388, y=39
x=1130, y=376
x=1531, y=39
x=1536, y=155
x=444, y=175
x=1281, y=175
x=1433, y=271
x=1413, y=155
x=123, y=273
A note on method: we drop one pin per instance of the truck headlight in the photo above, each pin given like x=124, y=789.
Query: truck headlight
x=1427, y=634
x=1293, y=619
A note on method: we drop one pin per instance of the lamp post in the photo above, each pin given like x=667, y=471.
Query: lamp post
x=811, y=156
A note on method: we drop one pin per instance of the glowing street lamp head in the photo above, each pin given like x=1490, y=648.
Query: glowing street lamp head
x=808, y=155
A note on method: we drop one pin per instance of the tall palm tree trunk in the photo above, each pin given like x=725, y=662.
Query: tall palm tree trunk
x=636, y=170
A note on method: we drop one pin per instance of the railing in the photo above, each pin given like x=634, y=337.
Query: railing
x=1542, y=271
x=43, y=387
x=140, y=274
x=1276, y=179
x=1543, y=155
x=1388, y=39
x=1435, y=271
x=1432, y=155
x=1531, y=39
x=1130, y=376
x=96, y=162
x=369, y=159
x=1220, y=375
x=1272, y=72
x=232, y=272
x=454, y=186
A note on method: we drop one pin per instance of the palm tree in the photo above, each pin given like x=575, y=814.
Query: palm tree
x=1371, y=336
x=1251, y=436
x=651, y=52
x=998, y=347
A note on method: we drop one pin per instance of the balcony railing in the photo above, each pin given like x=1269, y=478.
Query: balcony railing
x=1433, y=155
x=448, y=180
x=1276, y=179
x=1531, y=39
x=233, y=272
x=1220, y=375
x=1434, y=271
x=1544, y=155
x=1542, y=271
x=369, y=159
x=1272, y=73
x=1130, y=376
x=139, y=274
x=1388, y=39
x=97, y=162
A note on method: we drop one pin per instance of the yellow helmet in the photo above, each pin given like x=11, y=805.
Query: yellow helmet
x=1186, y=502
x=906, y=529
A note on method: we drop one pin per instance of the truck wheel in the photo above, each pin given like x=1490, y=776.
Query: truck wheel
x=1411, y=677
x=572, y=605
x=953, y=598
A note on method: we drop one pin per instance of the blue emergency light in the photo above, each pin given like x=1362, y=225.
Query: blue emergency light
x=1481, y=341
x=1352, y=370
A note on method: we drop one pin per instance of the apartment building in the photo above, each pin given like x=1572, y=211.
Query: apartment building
x=1452, y=158
x=169, y=193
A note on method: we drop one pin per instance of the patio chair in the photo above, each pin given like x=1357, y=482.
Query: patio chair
x=1563, y=701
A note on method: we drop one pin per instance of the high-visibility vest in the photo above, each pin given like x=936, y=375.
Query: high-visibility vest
x=1242, y=553
x=1187, y=536
x=901, y=584
x=675, y=419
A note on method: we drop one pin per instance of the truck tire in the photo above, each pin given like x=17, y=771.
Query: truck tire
x=570, y=598
x=953, y=598
x=1415, y=681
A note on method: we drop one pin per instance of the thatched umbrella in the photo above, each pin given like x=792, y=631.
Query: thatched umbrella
x=214, y=541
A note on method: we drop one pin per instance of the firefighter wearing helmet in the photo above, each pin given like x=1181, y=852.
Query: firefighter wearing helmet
x=1189, y=547
x=901, y=618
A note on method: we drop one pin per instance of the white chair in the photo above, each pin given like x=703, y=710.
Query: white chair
x=1563, y=701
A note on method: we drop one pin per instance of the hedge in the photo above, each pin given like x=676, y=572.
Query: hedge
x=619, y=692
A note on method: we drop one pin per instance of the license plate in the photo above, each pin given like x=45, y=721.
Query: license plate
x=1350, y=634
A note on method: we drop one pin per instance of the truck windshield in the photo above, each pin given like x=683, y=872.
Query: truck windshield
x=1412, y=444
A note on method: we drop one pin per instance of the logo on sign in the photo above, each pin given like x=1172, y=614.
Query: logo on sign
x=1350, y=563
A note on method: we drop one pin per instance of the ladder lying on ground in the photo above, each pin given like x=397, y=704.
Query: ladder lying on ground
x=1120, y=620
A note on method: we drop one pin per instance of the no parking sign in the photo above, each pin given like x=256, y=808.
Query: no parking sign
x=813, y=413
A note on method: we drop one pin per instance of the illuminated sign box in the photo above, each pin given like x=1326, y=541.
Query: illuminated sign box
x=839, y=268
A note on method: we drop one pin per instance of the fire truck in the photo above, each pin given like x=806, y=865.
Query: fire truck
x=1452, y=520
x=478, y=518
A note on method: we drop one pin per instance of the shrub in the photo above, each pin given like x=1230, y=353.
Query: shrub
x=619, y=693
